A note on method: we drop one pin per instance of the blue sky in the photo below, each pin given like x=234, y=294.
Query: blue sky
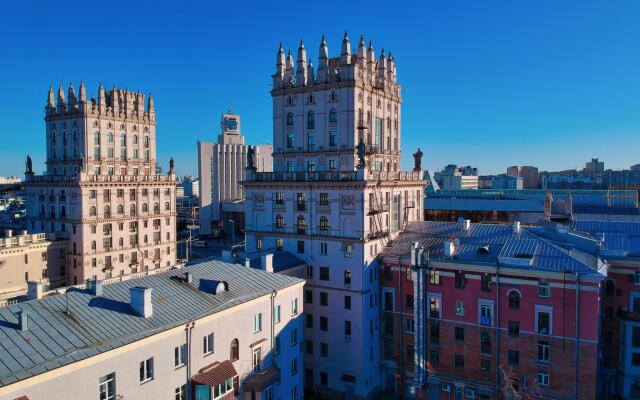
x=485, y=83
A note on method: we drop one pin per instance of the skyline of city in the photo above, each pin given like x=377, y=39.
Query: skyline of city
x=543, y=67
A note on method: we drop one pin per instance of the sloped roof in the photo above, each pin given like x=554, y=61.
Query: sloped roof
x=94, y=325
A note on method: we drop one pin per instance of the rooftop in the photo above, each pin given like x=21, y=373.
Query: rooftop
x=91, y=325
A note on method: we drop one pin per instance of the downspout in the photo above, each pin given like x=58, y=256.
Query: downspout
x=424, y=315
x=273, y=300
x=577, y=361
x=497, y=327
x=188, y=332
x=401, y=324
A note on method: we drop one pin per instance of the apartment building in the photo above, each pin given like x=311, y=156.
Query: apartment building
x=208, y=331
x=488, y=311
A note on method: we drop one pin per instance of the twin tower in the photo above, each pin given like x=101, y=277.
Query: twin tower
x=380, y=72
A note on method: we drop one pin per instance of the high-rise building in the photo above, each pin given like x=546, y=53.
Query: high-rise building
x=101, y=188
x=334, y=200
x=221, y=168
x=528, y=174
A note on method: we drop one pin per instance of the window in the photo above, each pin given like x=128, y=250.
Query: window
x=333, y=138
x=544, y=315
x=434, y=356
x=543, y=351
x=324, y=350
x=635, y=336
x=543, y=378
x=324, y=273
x=514, y=328
x=180, y=356
x=460, y=308
x=543, y=289
x=308, y=318
x=347, y=277
x=289, y=119
x=308, y=296
x=324, y=223
x=324, y=299
x=294, y=366
x=347, y=328
x=181, y=392
x=410, y=325
x=485, y=366
x=323, y=248
x=257, y=358
x=458, y=361
x=485, y=312
x=434, y=333
x=279, y=221
x=324, y=378
x=294, y=336
x=460, y=280
x=311, y=120
x=514, y=300
x=107, y=387
x=257, y=322
x=434, y=277
x=235, y=350
x=207, y=344
x=485, y=342
x=333, y=115
x=459, y=334
x=294, y=307
x=348, y=250
x=409, y=301
x=146, y=370
x=389, y=299
x=324, y=324
x=513, y=357
x=485, y=282
x=300, y=246
x=347, y=302
x=434, y=306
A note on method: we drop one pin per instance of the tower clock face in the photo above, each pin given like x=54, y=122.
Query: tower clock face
x=232, y=124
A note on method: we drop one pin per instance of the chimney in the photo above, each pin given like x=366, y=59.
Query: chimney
x=188, y=277
x=247, y=262
x=8, y=233
x=141, y=301
x=23, y=320
x=267, y=262
x=34, y=290
x=449, y=248
x=466, y=224
x=516, y=227
x=95, y=287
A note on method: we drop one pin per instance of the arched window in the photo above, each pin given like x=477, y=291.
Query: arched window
x=311, y=120
x=135, y=139
x=132, y=209
x=333, y=115
x=107, y=211
x=290, y=119
x=96, y=138
x=235, y=350
x=146, y=142
x=156, y=208
x=92, y=211
x=514, y=300
x=167, y=206
x=301, y=225
x=110, y=137
x=120, y=209
x=279, y=221
x=123, y=140
x=145, y=207
x=324, y=223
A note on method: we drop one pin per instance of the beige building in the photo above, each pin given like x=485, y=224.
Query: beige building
x=101, y=188
x=209, y=331
x=30, y=258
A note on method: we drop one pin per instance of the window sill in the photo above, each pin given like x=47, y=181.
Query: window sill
x=146, y=381
x=207, y=354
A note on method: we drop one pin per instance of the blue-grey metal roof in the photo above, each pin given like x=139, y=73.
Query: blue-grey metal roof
x=63, y=329
x=493, y=243
x=615, y=235
x=282, y=261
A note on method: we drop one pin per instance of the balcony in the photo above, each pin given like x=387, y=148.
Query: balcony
x=376, y=208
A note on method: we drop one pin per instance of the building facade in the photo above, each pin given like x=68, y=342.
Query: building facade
x=335, y=198
x=221, y=168
x=101, y=189
x=528, y=174
x=208, y=331
x=490, y=311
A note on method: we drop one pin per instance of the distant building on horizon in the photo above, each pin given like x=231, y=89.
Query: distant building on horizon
x=528, y=174
x=221, y=167
x=453, y=177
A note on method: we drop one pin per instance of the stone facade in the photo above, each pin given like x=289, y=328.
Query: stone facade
x=101, y=188
x=335, y=200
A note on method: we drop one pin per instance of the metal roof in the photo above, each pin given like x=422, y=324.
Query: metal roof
x=493, y=243
x=63, y=329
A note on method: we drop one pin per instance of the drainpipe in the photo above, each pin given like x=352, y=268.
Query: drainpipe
x=188, y=332
x=577, y=361
x=497, y=328
x=273, y=300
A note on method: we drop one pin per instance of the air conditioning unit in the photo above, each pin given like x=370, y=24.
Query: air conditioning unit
x=446, y=387
x=470, y=393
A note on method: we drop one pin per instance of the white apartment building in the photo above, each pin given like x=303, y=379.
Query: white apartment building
x=335, y=198
x=221, y=168
x=101, y=188
x=210, y=331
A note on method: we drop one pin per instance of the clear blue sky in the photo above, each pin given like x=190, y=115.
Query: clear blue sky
x=486, y=83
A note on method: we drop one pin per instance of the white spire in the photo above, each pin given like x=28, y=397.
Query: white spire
x=345, y=54
x=301, y=65
x=323, y=62
x=50, y=98
x=83, y=92
x=60, y=95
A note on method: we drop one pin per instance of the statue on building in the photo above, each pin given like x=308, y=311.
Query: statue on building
x=29, y=165
x=250, y=157
x=417, y=159
x=171, y=165
x=361, y=153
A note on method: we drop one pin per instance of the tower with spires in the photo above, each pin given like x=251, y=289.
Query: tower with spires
x=101, y=189
x=335, y=198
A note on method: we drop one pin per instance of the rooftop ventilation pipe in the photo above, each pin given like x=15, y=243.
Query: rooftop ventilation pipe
x=141, y=301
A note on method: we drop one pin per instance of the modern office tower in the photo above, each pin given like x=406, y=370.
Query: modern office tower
x=101, y=188
x=528, y=174
x=335, y=199
x=221, y=168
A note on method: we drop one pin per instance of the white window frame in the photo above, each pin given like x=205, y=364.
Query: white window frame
x=208, y=344
x=294, y=306
x=438, y=298
x=256, y=358
x=181, y=392
x=268, y=393
x=543, y=378
x=108, y=382
x=544, y=309
x=181, y=353
x=544, y=289
x=294, y=336
x=548, y=351
x=146, y=369
x=486, y=303
x=257, y=323
x=277, y=314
